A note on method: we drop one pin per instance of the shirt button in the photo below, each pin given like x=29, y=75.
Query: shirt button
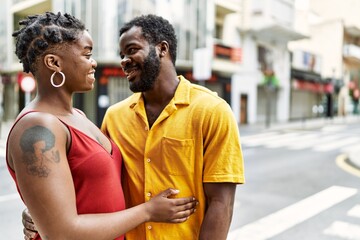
x=148, y=194
x=148, y=160
x=146, y=128
x=149, y=227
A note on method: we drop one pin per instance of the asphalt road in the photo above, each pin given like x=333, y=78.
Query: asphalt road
x=295, y=189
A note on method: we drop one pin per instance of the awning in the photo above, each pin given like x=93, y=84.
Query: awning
x=277, y=33
x=305, y=75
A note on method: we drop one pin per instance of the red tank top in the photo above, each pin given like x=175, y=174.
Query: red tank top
x=96, y=174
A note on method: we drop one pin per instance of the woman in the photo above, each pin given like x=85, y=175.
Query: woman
x=66, y=170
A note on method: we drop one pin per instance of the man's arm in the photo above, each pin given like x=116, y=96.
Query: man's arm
x=218, y=215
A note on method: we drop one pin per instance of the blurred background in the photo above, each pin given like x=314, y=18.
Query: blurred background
x=271, y=60
x=290, y=71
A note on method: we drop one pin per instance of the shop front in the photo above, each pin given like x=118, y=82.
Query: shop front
x=311, y=96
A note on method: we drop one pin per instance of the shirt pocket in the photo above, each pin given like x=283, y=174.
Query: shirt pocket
x=178, y=156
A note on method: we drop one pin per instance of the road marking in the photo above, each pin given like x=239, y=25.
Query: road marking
x=333, y=128
x=256, y=136
x=341, y=162
x=350, y=148
x=354, y=212
x=2, y=152
x=259, y=140
x=265, y=140
x=292, y=215
x=312, y=142
x=336, y=144
x=343, y=230
x=9, y=197
x=292, y=141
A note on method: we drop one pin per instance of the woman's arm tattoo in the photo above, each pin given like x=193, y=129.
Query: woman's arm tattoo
x=37, y=145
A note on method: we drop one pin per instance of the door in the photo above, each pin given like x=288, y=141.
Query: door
x=243, y=108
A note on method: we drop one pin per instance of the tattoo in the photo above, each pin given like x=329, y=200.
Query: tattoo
x=37, y=144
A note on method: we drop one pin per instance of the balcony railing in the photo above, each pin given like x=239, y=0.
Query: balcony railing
x=351, y=50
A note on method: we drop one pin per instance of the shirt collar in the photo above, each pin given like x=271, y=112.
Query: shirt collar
x=182, y=94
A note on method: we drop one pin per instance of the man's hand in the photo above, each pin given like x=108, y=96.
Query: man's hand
x=29, y=226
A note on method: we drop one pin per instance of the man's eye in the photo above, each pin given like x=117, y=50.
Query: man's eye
x=132, y=50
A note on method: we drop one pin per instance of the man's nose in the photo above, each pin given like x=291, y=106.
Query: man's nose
x=125, y=60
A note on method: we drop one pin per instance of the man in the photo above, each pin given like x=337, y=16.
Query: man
x=172, y=133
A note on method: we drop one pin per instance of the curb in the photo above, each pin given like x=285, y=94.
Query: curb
x=354, y=158
x=344, y=162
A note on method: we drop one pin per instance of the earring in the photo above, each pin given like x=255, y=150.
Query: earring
x=52, y=80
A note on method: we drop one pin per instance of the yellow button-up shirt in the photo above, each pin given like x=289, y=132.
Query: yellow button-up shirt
x=194, y=140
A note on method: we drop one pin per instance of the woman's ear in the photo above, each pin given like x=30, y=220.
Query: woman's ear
x=52, y=62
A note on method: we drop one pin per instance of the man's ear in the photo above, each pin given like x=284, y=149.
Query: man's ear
x=52, y=62
x=163, y=48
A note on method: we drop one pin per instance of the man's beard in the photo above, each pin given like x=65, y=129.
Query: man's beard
x=150, y=72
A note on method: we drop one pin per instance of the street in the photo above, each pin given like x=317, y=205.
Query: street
x=11, y=205
x=295, y=188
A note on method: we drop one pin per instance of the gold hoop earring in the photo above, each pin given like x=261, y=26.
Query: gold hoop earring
x=52, y=79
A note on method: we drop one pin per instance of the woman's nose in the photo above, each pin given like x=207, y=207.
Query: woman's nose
x=94, y=63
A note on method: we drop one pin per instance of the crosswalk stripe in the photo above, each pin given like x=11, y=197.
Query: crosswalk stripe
x=350, y=148
x=257, y=136
x=343, y=230
x=2, y=152
x=292, y=215
x=311, y=142
x=336, y=144
x=282, y=139
x=258, y=141
x=297, y=141
x=291, y=142
x=354, y=212
x=333, y=128
x=265, y=140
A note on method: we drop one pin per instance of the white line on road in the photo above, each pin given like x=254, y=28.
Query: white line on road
x=343, y=230
x=354, y=212
x=312, y=142
x=9, y=197
x=294, y=141
x=288, y=217
x=336, y=144
x=2, y=152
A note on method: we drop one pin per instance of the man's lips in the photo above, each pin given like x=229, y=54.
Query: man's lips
x=130, y=73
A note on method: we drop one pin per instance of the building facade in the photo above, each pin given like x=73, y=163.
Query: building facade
x=248, y=61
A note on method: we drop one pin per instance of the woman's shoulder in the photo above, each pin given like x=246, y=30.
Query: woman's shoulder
x=34, y=121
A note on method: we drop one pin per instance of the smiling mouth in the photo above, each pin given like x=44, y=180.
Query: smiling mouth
x=130, y=75
x=91, y=75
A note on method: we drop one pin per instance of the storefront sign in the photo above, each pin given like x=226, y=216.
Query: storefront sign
x=312, y=86
x=229, y=53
